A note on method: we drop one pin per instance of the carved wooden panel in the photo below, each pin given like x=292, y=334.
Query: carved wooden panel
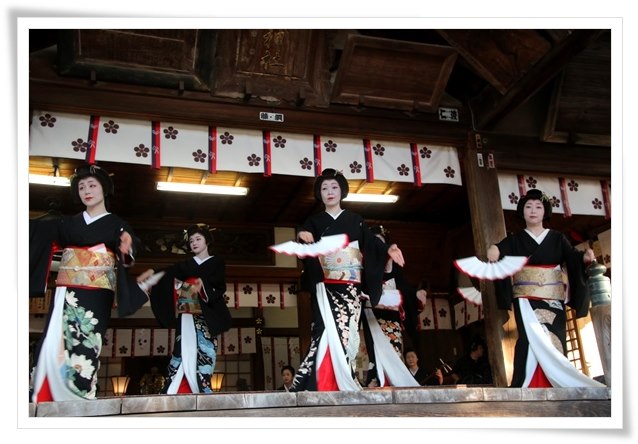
x=275, y=65
x=163, y=57
x=378, y=72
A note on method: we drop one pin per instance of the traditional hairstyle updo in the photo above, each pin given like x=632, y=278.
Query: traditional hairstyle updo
x=331, y=173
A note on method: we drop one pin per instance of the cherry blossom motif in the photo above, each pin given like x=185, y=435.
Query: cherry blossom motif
x=227, y=298
x=554, y=202
x=442, y=313
x=247, y=289
x=80, y=146
x=279, y=142
x=425, y=152
x=306, y=164
x=607, y=258
x=281, y=364
x=331, y=147
x=47, y=120
x=231, y=347
x=449, y=172
x=123, y=350
x=248, y=340
x=253, y=160
x=199, y=156
x=378, y=149
x=531, y=182
x=170, y=133
x=141, y=150
x=267, y=350
x=573, y=185
x=292, y=289
x=403, y=170
x=226, y=138
x=160, y=350
x=427, y=321
x=297, y=350
x=355, y=167
x=111, y=127
x=270, y=299
x=513, y=198
x=598, y=204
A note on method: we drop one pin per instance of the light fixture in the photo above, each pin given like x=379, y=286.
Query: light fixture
x=204, y=189
x=49, y=180
x=120, y=384
x=216, y=381
x=371, y=198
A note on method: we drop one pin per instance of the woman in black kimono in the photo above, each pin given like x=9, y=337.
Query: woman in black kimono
x=190, y=297
x=336, y=282
x=97, y=250
x=539, y=296
x=384, y=326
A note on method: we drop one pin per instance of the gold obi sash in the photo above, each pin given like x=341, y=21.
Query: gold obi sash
x=81, y=267
x=343, y=265
x=185, y=297
x=539, y=282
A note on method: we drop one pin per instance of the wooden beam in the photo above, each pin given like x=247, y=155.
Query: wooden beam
x=491, y=106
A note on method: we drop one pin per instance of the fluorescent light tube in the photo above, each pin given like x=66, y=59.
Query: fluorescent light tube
x=49, y=180
x=203, y=189
x=371, y=198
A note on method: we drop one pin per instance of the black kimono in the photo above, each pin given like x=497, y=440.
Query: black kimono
x=91, y=271
x=330, y=361
x=383, y=331
x=195, y=349
x=540, y=359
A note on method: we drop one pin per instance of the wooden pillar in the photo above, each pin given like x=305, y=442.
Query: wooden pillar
x=488, y=227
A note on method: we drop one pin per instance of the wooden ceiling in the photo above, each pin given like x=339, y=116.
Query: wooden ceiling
x=553, y=86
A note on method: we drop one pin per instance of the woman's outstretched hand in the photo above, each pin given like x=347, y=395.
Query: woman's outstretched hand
x=397, y=256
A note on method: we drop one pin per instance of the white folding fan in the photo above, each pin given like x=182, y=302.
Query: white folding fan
x=474, y=267
x=326, y=245
x=471, y=294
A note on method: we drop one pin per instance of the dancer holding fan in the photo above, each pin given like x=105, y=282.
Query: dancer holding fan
x=539, y=295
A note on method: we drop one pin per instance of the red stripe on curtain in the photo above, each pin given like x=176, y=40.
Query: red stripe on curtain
x=259, y=303
x=94, y=127
x=267, y=153
x=563, y=194
x=236, y=295
x=522, y=189
x=316, y=145
x=155, y=144
x=414, y=150
x=212, y=149
x=367, y=151
x=604, y=186
x=435, y=319
x=282, y=305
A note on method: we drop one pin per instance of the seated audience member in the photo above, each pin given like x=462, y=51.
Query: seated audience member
x=287, y=374
x=473, y=368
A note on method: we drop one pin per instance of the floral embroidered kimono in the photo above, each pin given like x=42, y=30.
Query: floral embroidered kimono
x=539, y=296
x=90, y=274
x=336, y=282
x=195, y=350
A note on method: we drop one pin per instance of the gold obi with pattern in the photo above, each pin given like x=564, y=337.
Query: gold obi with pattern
x=81, y=267
x=343, y=265
x=539, y=282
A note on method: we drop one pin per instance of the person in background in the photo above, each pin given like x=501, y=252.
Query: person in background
x=336, y=283
x=420, y=374
x=473, y=368
x=539, y=296
x=287, y=374
x=190, y=297
x=384, y=325
x=151, y=383
x=98, y=248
